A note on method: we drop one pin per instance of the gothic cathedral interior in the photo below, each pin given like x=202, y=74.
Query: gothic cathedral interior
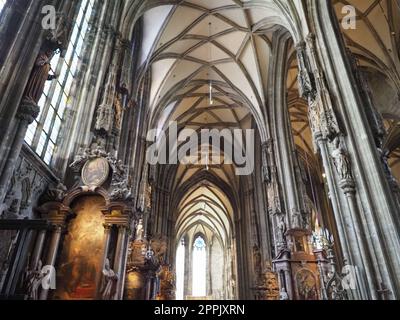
x=199, y=150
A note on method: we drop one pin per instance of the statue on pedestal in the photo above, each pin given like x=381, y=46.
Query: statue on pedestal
x=110, y=282
x=39, y=76
x=341, y=161
x=139, y=231
x=105, y=118
x=33, y=280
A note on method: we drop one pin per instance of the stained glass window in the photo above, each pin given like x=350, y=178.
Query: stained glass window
x=42, y=135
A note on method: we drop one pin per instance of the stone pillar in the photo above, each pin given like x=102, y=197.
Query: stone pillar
x=107, y=234
x=27, y=113
x=186, y=270
x=106, y=246
x=52, y=253
x=120, y=257
x=284, y=148
x=330, y=143
x=37, y=252
x=349, y=190
x=209, y=269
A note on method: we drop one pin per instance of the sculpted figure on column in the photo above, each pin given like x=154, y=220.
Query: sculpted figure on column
x=105, y=118
x=39, y=76
x=341, y=161
x=110, y=282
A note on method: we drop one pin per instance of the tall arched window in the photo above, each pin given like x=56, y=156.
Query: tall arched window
x=199, y=275
x=2, y=4
x=43, y=133
x=180, y=270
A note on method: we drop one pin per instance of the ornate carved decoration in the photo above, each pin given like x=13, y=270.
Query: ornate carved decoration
x=307, y=88
x=341, y=161
x=167, y=283
x=268, y=286
x=119, y=187
x=313, y=87
x=28, y=111
x=24, y=189
x=110, y=282
x=266, y=170
x=55, y=193
x=159, y=245
x=257, y=263
x=95, y=172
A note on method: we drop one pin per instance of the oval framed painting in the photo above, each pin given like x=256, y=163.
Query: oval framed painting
x=95, y=172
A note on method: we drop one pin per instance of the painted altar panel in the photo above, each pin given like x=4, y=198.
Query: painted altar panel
x=80, y=262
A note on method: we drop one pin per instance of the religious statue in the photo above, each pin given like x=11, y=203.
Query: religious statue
x=341, y=161
x=282, y=228
x=117, y=111
x=139, y=231
x=110, y=282
x=105, y=117
x=306, y=285
x=120, y=190
x=39, y=76
x=57, y=193
x=167, y=283
x=257, y=260
x=13, y=210
x=33, y=280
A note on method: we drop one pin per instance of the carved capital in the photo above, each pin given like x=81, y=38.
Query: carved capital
x=28, y=111
x=348, y=186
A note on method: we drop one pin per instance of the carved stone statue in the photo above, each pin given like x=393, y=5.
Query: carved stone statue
x=257, y=260
x=167, y=283
x=57, y=193
x=110, y=282
x=120, y=190
x=118, y=111
x=105, y=118
x=139, y=231
x=39, y=76
x=266, y=170
x=33, y=280
x=282, y=228
x=341, y=161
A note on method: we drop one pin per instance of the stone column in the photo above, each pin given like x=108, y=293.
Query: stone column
x=349, y=190
x=37, y=252
x=327, y=136
x=120, y=256
x=27, y=113
x=209, y=269
x=150, y=290
x=52, y=253
x=106, y=246
x=285, y=152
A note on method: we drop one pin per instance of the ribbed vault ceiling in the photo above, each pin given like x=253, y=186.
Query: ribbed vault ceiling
x=188, y=45
x=376, y=44
x=206, y=210
x=376, y=39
